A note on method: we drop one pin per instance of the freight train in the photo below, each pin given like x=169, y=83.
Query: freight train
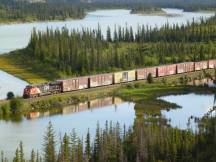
x=79, y=83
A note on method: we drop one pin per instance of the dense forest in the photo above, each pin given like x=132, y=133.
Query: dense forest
x=143, y=142
x=88, y=51
x=41, y=10
x=189, y=5
x=23, y=11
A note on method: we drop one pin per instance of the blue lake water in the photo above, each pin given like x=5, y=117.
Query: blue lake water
x=192, y=105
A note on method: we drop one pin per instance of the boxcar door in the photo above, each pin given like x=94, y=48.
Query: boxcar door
x=125, y=76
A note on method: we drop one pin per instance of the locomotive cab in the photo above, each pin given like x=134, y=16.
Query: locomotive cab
x=31, y=91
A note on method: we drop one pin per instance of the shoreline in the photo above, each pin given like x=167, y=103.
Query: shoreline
x=156, y=13
x=38, y=21
x=141, y=13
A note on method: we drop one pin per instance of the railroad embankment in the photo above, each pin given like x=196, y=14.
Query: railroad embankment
x=140, y=92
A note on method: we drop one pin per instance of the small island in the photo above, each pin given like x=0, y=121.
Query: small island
x=152, y=11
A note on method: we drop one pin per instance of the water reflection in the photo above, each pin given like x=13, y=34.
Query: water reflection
x=81, y=107
x=79, y=117
x=194, y=106
x=202, y=82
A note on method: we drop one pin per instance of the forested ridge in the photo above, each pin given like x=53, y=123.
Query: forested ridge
x=88, y=51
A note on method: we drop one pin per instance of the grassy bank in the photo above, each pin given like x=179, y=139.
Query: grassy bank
x=19, y=67
x=148, y=105
x=53, y=103
x=146, y=95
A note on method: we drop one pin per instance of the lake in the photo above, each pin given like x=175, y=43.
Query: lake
x=16, y=36
x=86, y=115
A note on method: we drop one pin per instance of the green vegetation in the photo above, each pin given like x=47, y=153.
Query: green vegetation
x=87, y=52
x=14, y=109
x=150, y=78
x=62, y=53
x=20, y=67
x=16, y=105
x=48, y=10
x=147, y=10
x=12, y=11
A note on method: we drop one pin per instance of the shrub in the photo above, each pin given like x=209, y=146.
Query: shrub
x=1, y=112
x=10, y=95
x=16, y=105
x=150, y=78
x=5, y=109
x=164, y=81
x=130, y=86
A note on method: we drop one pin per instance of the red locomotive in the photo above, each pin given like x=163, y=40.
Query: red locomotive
x=32, y=91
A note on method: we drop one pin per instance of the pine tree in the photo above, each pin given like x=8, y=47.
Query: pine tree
x=49, y=145
x=65, y=150
x=17, y=156
x=108, y=37
x=33, y=156
x=88, y=147
x=97, y=142
x=21, y=152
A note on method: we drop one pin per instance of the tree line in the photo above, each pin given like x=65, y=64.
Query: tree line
x=41, y=10
x=88, y=51
x=11, y=11
x=143, y=142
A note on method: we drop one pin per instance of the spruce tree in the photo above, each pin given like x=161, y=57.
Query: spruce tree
x=49, y=145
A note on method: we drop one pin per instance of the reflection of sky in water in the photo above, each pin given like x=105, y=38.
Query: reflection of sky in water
x=192, y=105
x=31, y=131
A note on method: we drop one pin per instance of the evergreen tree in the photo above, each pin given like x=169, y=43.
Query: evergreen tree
x=88, y=147
x=33, y=156
x=108, y=37
x=49, y=145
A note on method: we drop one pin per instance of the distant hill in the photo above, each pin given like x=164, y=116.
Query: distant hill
x=31, y=1
x=158, y=2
